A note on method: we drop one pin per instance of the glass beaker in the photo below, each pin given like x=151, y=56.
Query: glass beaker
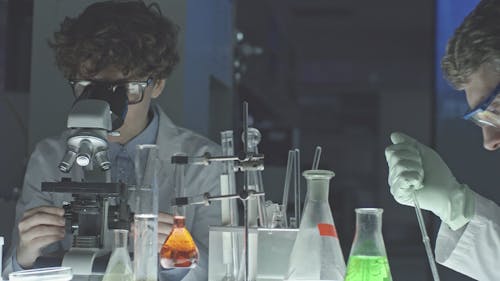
x=145, y=194
x=179, y=249
x=368, y=259
x=316, y=253
x=119, y=266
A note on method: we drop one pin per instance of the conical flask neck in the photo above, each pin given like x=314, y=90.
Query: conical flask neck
x=179, y=221
x=318, y=184
x=121, y=238
x=369, y=223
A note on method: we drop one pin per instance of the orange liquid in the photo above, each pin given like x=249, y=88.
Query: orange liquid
x=179, y=249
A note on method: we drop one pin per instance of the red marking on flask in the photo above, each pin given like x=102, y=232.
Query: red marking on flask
x=326, y=229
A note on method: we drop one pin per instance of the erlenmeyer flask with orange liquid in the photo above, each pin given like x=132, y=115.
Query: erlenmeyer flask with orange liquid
x=179, y=249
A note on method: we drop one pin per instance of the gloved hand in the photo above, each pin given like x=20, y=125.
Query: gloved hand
x=414, y=167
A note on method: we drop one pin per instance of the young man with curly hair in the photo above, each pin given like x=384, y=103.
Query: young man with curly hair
x=469, y=237
x=131, y=46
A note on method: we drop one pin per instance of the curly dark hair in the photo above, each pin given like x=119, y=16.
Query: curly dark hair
x=131, y=36
x=475, y=41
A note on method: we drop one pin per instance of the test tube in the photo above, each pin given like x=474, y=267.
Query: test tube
x=286, y=189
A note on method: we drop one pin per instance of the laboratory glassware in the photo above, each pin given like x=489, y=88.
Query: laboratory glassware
x=316, y=253
x=256, y=206
x=228, y=182
x=317, y=156
x=145, y=194
x=425, y=239
x=229, y=208
x=286, y=188
x=179, y=249
x=119, y=266
x=296, y=188
x=43, y=274
x=368, y=259
x=274, y=214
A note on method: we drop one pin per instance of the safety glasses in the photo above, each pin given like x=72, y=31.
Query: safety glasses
x=133, y=89
x=487, y=113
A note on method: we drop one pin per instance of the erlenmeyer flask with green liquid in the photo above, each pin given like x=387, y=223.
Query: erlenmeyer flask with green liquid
x=368, y=259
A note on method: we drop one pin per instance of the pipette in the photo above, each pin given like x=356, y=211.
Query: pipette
x=425, y=238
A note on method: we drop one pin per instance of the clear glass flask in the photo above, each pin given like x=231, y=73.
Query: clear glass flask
x=179, y=249
x=368, y=259
x=119, y=266
x=145, y=208
x=316, y=253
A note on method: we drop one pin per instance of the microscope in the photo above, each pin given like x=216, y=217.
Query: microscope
x=98, y=206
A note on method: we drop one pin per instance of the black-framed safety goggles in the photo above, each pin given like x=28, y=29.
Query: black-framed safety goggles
x=133, y=89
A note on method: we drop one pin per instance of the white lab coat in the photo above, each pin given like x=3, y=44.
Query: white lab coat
x=171, y=139
x=473, y=250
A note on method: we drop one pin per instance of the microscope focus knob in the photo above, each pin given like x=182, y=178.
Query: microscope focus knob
x=68, y=217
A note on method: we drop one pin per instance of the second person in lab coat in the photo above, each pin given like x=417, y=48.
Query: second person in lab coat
x=469, y=237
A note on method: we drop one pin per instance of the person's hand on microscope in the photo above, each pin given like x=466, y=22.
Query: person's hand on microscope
x=38, y=228
x=414, y=167
x=165, y=224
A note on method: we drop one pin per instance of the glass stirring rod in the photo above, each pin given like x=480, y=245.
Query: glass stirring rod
x=317, y=156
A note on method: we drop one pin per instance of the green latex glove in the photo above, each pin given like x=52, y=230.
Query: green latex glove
x=414, y=167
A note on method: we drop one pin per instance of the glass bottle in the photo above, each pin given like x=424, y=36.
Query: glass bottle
x=316, y=253
x=179, y=249
x=368, y=259
x=145, y=194
x=119, y=266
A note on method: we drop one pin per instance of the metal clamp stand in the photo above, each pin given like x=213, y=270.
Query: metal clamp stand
x=244, y=163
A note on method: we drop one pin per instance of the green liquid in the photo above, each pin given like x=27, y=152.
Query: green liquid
x=368, y=268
